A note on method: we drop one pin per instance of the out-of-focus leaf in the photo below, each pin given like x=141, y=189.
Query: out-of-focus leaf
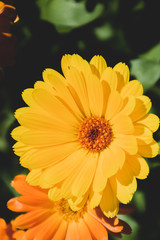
x=139, y=201
x=146, y=71
x=5, y=123
x=147, y=67
x=7, y=181
x=133, y=224
x=153, y=54
x=139, y=6
x=67, y=14
x=104, y=32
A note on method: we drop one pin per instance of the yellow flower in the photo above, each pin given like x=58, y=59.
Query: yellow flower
x=83, y=135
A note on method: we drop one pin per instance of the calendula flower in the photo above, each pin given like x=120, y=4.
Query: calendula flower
x=8, y=232
x=47, y=220
x=84, y=135
x=8, y=16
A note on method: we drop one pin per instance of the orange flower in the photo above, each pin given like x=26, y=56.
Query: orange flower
x=8, y=232
x=45, y=219
x=8, y=16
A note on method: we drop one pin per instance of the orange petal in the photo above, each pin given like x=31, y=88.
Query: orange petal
x=97, y=230
x=83, y=230
x=61, y=231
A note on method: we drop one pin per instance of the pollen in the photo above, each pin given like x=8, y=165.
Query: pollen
x=62, y=206
x=95, y=134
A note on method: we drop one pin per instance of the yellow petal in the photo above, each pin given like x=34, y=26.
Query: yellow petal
x=123, y=190
x=77, y=203
x=17, y=132
x=44, y=85
x=118, y=153
x=128, y=105
x=85, y=176
x=44, y=157
x=33, y=177
x=151, y=121
x=50, y=104
x=114, y=105
x=66, y=188
x=142, y=107
x=106, y=93
x=99, y=63
x=59, y=83
x=151, y=150
x=143, y=134
x=110, y=77
x=53, y=77
x=63, y=169
x=138, y=166
x=94, y=198
x=28, y=98
x=127, y=142
x=46, y=138
x=109, y=163
x=124, y=184
x=122, y=124
x=95, y=95
x=20, y=148
x=55, y=194
x=99, y=181
x=21, y=111
x=77, y=87
x=65, y=63
x=75, y=61
x=38, y=120
x=122, y=71
x=109, y=203
x=132, y=88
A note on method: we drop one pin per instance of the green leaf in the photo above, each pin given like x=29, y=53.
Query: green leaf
x=147, y=67
x=67, y=15
x=134, y=226
x=146, y=71
x=139, y=201
x=104, y=32
x=5, y=124
x=153, y=54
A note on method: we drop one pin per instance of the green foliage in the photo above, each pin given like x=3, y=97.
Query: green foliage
x=67, y=15
x=146, y=68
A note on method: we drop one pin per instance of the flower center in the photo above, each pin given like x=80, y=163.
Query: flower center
x=95, y=134
x=68, y=214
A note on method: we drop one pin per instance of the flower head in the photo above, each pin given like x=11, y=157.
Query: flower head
x=84, y=135
x=45, y=219
x=8, y=16
x=8, y=232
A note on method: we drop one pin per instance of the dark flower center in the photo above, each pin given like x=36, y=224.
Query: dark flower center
x=95, y=134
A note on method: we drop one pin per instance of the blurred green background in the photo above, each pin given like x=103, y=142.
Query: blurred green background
x=119, y=30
